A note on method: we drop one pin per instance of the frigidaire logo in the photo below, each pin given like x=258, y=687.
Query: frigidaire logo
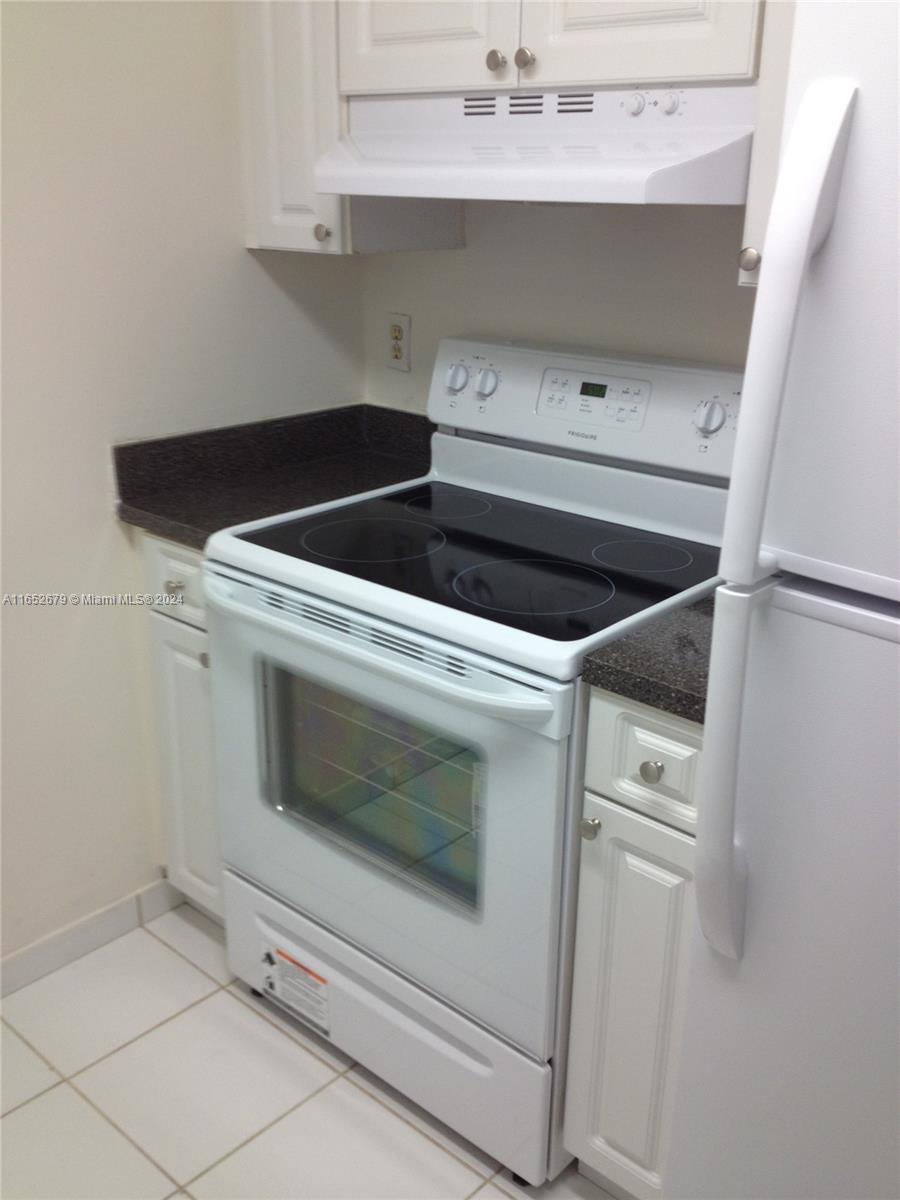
x=591, y=437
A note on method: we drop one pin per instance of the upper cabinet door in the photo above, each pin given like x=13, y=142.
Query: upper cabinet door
x=290, y=112
x=411, y=46
x=638, y=41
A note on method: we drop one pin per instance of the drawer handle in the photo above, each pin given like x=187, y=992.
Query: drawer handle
x=173, y=587
x=651, y=772
x=589, y=828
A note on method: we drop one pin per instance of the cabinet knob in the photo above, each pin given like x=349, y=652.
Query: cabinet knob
x=651, y=772
x=525, y=57
x=495, y=60
x=173, y=587
x=749, y=259
x=589, y=828
x=321, y=232
x=204, y=659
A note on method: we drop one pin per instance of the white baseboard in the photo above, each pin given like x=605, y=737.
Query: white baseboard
x=156, y=899
x=90, y=933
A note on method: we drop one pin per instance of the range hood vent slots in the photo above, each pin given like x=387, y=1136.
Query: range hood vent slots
x=684, y=146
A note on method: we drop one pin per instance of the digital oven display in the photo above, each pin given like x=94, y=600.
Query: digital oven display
x=594, y=389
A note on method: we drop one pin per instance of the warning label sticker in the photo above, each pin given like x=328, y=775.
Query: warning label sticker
x=301, y=989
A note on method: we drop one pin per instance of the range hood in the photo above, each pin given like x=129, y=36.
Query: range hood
x=648, y=146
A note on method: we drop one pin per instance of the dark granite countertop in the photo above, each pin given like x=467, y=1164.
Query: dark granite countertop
x=186, y=487
x=663, y=664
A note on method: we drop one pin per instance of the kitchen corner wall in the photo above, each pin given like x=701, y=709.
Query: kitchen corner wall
x=655, y=280
x=130, y=310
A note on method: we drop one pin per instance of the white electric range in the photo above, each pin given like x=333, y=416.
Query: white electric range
x=399, y=722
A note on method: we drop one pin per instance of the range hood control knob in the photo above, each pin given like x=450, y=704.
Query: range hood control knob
x=670, y=104
x=709, y=417
x=487, y=382
x=635, y=104
x=457, y=377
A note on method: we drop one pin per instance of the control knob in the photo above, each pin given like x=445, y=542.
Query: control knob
x=457, y=377
x=709, y=417
x=487, y=381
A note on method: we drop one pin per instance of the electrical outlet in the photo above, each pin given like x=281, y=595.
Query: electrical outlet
x=398, y=338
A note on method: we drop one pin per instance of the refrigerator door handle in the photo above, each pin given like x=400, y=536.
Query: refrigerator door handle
x=721, y=871
x=802, y=212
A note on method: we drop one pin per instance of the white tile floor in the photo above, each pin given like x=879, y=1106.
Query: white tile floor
x=145, y=1071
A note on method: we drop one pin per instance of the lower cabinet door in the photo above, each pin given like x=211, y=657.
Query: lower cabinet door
x=635, y=909
x=184, y=718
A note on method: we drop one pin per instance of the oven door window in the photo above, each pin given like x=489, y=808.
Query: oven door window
x=387, y=788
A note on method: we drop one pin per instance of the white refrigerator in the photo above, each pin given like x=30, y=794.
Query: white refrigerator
x=787, y=1084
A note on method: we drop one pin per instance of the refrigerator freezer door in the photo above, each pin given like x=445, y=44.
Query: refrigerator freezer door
x=788, y=1079
x=832, y=504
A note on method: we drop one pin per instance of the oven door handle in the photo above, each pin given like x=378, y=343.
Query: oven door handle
x=525, y=710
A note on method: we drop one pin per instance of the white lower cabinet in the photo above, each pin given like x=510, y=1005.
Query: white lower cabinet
x=184, y=719
x=635, y=910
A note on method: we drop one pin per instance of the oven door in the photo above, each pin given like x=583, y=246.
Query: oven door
x=403, y=793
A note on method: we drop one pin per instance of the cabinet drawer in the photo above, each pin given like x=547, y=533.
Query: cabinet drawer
x=643, y=758
x=176, y=570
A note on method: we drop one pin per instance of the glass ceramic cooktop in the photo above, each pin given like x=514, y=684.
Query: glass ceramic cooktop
x=550, y=573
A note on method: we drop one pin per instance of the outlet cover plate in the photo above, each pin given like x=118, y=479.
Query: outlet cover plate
x=397, y=332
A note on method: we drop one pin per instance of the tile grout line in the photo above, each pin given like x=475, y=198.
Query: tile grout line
x=36, y=1096
x=480, y=1188
x=106, y=1117
x=184, y=957
x=265, y=1017
x=74, y=1074
x=427, y=1136
x=33, y=1049
x=259, y=1132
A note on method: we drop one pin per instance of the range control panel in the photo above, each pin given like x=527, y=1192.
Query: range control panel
x=670, y=415
x=597, y=399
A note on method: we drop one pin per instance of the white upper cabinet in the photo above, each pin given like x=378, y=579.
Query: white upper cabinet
x=427, y=45
x=431, y=46
x=291, y=111
x=638, y=41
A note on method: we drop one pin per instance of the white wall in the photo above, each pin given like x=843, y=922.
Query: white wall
x=130, y=310
x=658, y=281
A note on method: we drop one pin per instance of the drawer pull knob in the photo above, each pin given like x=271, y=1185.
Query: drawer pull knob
x=525, y=58
x=589, y=828
x=651, y=772
x=174, y=587
x=495, y=60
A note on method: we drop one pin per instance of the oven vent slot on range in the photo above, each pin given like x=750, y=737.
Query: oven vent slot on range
x=415, y=650
x=362, y=632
